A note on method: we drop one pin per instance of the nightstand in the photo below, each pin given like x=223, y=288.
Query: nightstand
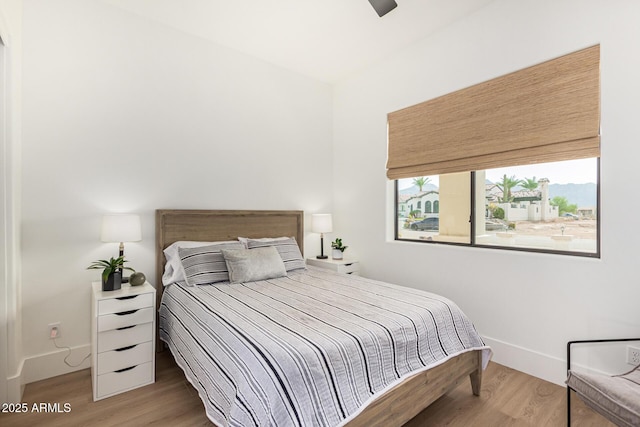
x=122, y=339
x=346, y=266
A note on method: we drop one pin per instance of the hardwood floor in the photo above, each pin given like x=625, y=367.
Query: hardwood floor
x=508, y=398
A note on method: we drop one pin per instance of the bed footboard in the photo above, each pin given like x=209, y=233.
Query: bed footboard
x=406, y=400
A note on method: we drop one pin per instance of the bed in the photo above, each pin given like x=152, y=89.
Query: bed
x=254, y=362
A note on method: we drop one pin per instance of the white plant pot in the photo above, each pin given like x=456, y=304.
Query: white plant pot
x=336, y=254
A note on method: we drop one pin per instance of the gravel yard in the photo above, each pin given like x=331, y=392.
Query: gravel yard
x=578, y=228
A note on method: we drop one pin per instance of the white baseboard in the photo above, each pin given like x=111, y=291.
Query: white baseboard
x=48, y=365
x=15, y=386
x=530, y=362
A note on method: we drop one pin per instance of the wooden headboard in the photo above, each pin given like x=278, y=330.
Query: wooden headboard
x=173, y=225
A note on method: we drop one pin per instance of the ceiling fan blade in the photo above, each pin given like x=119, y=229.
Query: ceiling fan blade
x=383, y=7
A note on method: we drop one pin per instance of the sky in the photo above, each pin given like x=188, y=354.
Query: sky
x=568, y=172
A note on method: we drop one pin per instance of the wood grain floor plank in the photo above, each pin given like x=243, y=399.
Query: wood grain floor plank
x=509, y=399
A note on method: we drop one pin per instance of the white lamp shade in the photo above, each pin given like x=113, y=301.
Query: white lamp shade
x=121, y=228
x=321, y=223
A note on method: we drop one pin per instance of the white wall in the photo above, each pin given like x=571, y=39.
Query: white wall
x=123, y=114
x=550, y=299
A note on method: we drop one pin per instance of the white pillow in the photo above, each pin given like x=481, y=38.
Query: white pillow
x=173, y=271
x=245, y=240
x=250, y=265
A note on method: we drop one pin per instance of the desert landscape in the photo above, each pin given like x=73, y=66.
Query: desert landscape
x=578, y=228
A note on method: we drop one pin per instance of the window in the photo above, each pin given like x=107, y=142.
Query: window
x=547, y=117
x=545, y=207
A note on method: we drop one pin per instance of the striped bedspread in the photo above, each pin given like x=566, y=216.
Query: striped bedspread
x=310, y=349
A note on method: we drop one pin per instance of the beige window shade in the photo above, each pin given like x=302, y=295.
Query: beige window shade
x=544, y=113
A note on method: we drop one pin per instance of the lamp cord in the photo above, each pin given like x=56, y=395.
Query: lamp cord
x=69, y=354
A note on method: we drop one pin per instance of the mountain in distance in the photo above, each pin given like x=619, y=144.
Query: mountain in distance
x=583, y=195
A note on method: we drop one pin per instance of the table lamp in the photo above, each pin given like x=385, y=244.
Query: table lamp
x=120, y=228
x=321, y=223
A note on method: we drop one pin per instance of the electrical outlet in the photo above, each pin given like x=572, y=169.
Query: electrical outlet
x=633, y=355
x=54, y=330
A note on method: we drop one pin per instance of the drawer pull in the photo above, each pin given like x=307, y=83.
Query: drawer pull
x=125, y=327
x=126, y=348
x=125, y=369
x=127, y=297
x=348, y=265
x=125, y=313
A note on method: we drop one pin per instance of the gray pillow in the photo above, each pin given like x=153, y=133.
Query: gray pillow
x=249, y=265
x=205, y=265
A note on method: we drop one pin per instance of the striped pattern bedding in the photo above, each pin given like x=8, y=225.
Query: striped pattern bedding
x=310, y=349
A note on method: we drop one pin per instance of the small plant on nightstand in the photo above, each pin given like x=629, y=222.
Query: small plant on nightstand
x=337, y=249
x=111, y=272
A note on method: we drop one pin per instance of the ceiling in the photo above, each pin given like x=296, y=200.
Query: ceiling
x=325, y=39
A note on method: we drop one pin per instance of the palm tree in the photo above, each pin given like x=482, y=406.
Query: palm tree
x=529, y=183
x=506, y=185
x=421, y=182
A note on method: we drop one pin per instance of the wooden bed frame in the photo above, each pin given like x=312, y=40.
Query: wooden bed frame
x=396, y=406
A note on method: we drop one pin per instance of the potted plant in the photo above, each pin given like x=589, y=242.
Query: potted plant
x=111, y=272
x=337, y=249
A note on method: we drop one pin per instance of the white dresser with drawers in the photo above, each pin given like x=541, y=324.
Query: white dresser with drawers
x=122, y=339
x=345, y=266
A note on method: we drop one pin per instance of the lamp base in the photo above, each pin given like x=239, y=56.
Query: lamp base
x=322, y=257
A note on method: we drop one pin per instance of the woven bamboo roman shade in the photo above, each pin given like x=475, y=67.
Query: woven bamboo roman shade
x=544, y=113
